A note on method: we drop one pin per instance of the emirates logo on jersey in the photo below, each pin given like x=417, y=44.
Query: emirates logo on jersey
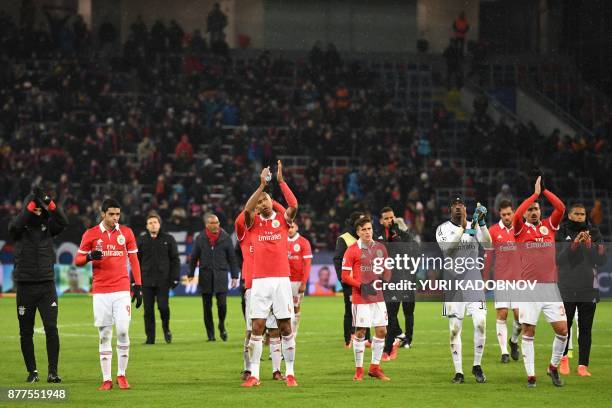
x=273, y=237
x=543, y=230
x=111, y=250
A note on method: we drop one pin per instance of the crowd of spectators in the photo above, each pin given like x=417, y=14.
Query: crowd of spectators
x=159, y=129
x=173, y=126
x=523, y=147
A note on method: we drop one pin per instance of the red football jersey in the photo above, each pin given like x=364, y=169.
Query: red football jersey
x=269, y=239
x=507, y=262
x=358, y=263
x=299, y=250
x=110, y=274
x=537, y=251
x=246, y=247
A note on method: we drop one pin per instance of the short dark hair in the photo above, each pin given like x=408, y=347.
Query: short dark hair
x=355, y=215
x=110, y=203
x=153, y=214
x=362, y=221
x=504, y=204
x=577, y=205
x=386, y=209
x=536, y=202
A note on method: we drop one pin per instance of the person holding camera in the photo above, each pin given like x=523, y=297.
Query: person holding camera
x=578, y=260
x=160, y=270
x=32, y=231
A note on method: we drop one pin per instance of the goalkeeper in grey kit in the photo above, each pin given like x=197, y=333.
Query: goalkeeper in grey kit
x=460, y=237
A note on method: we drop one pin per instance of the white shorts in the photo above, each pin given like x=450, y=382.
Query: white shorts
x=462, y=309
x=370, y=315
x=506, y=305
x=295, y=291
x=110, y=308
x=271, y=295
x=505, y=299
x=529, y=312
x=270, y=320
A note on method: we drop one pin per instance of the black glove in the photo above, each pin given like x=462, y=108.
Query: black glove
x=367, y=289
x=542, y=185
x=394, y=232
x=174, y=284
x=136, y=295
x=94, y=256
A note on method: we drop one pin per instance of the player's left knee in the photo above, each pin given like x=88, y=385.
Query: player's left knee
x=123, y=338
x=481, y=325
x=51, y=330
x=123, y=334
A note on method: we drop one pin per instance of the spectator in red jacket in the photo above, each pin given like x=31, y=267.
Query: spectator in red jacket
x=184, y=150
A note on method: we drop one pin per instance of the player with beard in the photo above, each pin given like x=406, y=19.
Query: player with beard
x=536, y=238
x=507, y=268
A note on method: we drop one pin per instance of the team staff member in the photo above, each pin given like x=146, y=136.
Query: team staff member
x=214, y=251
x=578, y=261
x=395, y=231
x=348, y=238
x=33, y=230
x=160, y=271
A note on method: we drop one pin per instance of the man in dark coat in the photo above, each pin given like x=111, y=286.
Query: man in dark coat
x=160, y=270
x=580, y=252
x=400, y=241
x=213, y=250
x=32, y=231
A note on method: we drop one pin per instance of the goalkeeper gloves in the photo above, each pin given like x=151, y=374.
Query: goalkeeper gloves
x=137, y=295
x=482, y=215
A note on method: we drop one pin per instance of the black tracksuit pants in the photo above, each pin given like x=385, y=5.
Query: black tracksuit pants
x=149, y=295
x=394, y=329
x=41, y=296
x=586, y=313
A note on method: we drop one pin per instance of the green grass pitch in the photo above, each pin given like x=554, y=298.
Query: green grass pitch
x=192, y=372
